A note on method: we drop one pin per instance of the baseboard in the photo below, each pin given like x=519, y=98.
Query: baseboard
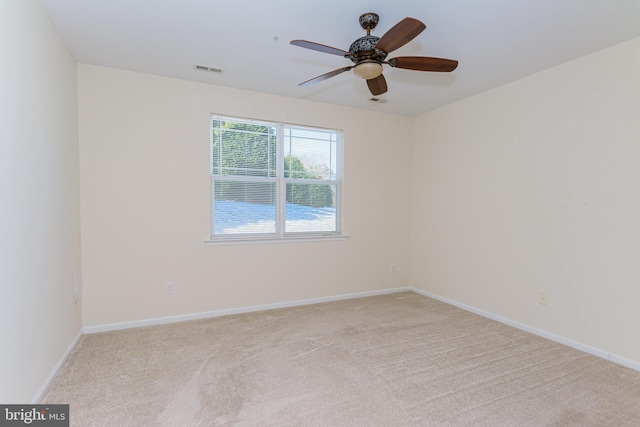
x=249, y=309
x=43, y=389
x=629, y=363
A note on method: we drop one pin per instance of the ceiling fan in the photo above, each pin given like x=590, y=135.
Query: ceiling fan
x=368, y=53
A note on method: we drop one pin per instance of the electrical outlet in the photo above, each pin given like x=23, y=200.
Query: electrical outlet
x=542, y=298
x=170, y=287
x=393, y=268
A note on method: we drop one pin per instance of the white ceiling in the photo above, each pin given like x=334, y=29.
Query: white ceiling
x=495, y=41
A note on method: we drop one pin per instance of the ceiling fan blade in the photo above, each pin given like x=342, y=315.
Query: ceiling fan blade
x=325, y=76
x=319, y=47
x=424, y=63
x=400, y=34
x=377, y=86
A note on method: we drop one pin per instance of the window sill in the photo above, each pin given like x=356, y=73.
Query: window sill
x=262, y=240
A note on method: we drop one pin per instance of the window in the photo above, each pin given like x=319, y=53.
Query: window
x=273, y=180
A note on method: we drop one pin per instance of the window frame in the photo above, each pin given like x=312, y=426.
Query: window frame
x=281, y=181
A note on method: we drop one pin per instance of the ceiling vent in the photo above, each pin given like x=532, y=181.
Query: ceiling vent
x=210, y=69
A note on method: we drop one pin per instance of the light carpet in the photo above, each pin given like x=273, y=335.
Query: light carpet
x=394, y=360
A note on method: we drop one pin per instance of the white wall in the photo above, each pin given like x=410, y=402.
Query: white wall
x=39, y=200
x=144, y=155
x=535, y=186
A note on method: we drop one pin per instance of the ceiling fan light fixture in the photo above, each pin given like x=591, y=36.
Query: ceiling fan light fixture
x=368, y=70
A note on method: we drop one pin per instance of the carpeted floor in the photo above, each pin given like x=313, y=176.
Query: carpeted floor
x=393, y=360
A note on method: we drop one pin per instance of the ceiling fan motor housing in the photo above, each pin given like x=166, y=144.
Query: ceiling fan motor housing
x=365, y=48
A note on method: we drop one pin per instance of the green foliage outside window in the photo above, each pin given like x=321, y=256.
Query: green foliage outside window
x=313, y=195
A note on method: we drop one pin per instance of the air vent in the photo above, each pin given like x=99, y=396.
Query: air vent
x=210, y=69
x=378, y=100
